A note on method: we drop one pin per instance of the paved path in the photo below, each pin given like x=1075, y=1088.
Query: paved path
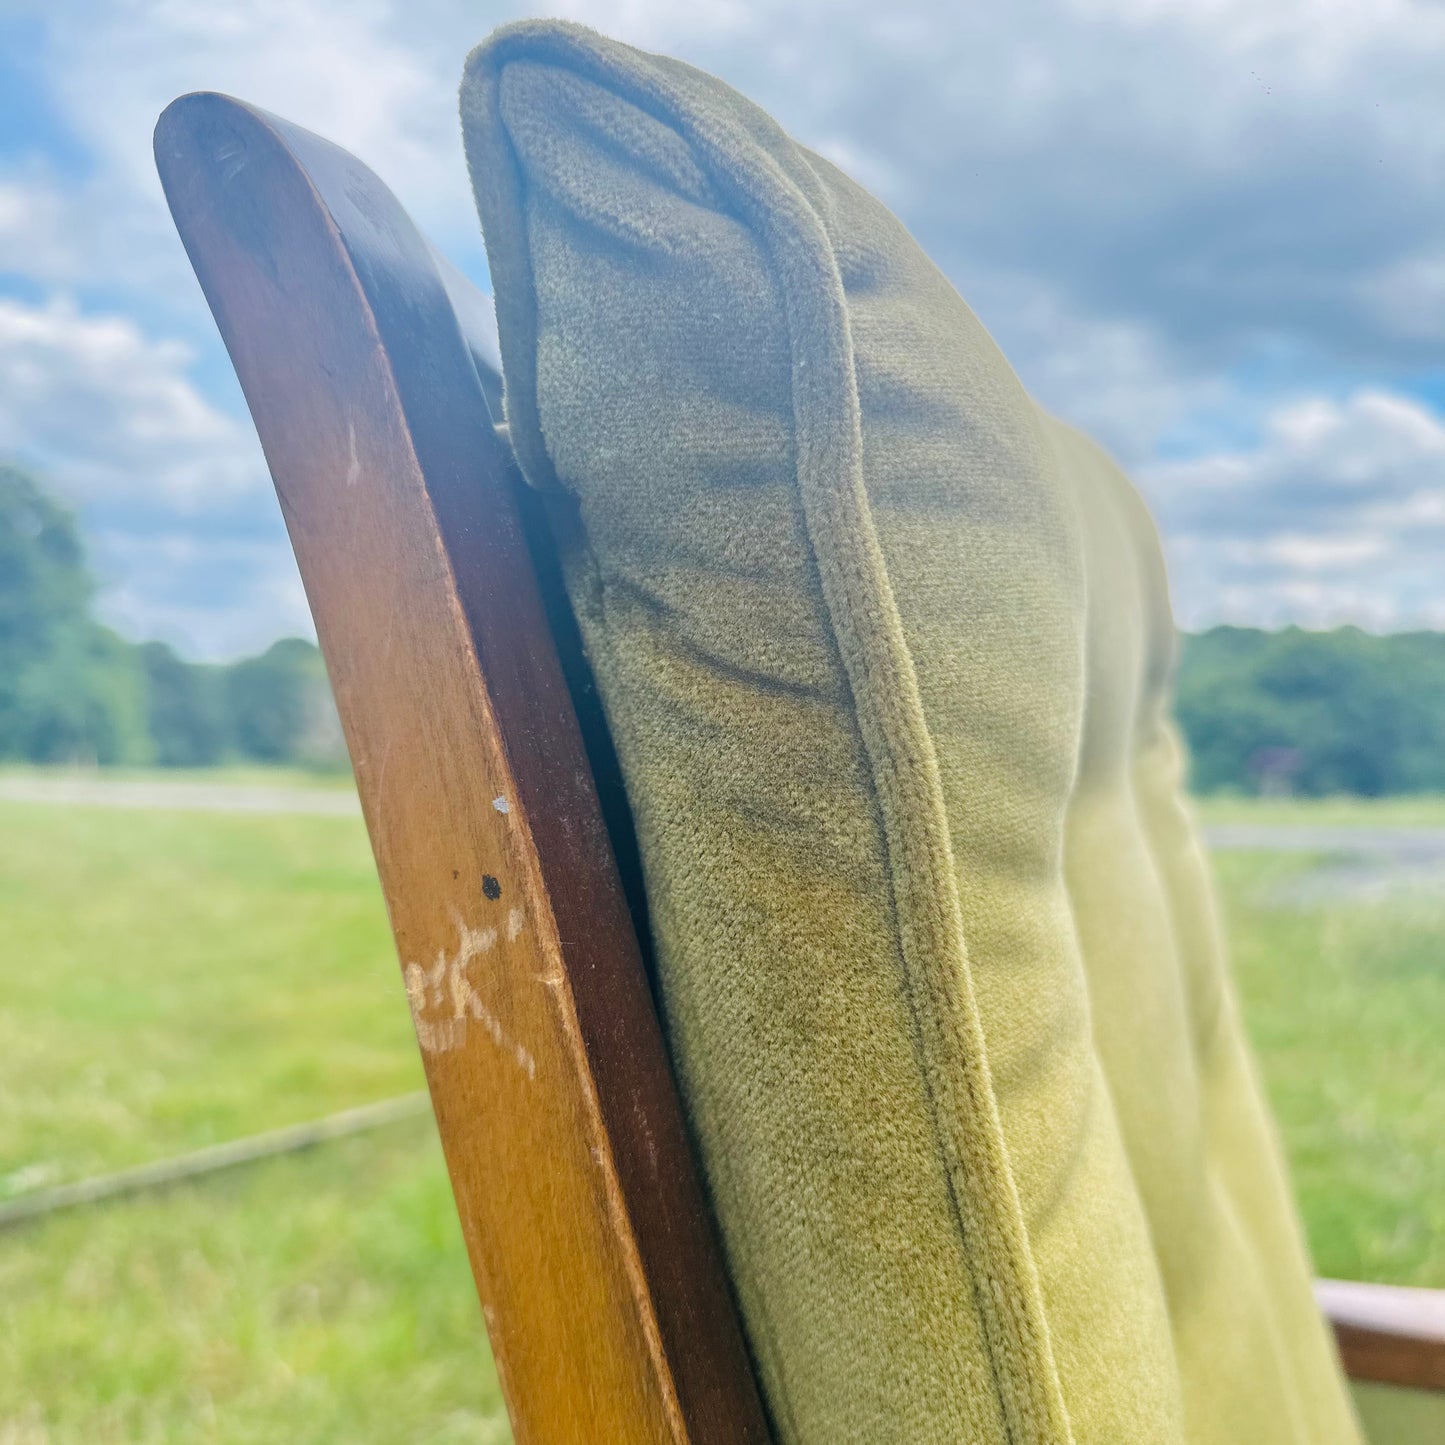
x=1372, y=840
x=182, y=794
x=1366, y=863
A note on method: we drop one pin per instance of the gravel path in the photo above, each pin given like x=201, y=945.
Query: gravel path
x=1358, y=862
x=1364, y=864
x=184, y=795
x=1401, y=843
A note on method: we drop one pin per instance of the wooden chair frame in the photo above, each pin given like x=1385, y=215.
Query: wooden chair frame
x=371, y=375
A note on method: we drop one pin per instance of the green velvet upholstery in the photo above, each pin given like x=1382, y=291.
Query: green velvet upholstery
x=886, y=653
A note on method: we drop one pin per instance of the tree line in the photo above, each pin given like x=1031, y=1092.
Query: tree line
x=1314, y=713
x=1291, y=711
x=72, y=691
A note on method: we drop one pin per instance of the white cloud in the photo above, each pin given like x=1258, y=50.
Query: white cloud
x=112, y=414
x=181, y=529
x=1113, y=378
x=1137, y=196
x=211, y=598
x=38, y=235
x=332, y=64
x=1208, y=172
x=1301, y=553
x=1344, y=458
x=95, y=234
x=1407, y=297
x=1338, y=515
x=1148, y=161
x=357, y=71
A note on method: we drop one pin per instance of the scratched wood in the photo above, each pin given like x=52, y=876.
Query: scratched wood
x=609, y=1314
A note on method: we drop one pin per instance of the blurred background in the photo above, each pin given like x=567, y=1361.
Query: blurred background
x=1212, y=235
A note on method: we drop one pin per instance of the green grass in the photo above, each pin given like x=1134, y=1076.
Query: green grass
x=321, y=1297
x=174, y=979
x=1424, y=810
x=261, y=775
x=1345, y=1004
x=171, y=980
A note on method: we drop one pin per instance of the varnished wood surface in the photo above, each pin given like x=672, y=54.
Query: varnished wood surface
x=608, y=1310
x=1387, y=1333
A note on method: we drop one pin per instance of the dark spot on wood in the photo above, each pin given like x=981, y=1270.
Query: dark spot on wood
x=455, y=874
x=490, y=886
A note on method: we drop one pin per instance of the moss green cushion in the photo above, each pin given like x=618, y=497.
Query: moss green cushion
x=886, y=654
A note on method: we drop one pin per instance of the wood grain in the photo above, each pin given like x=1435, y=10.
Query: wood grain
x=594, y=1255
x=1390, y=1334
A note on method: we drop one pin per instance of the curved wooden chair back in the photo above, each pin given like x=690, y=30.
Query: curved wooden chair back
x=497, y=817
x=367, y=367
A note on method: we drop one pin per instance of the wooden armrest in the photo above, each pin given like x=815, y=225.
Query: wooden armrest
x=1387, y=1333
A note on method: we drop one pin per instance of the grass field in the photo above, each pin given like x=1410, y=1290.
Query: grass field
x=1345, y=1003
x=1425, y=811
x=175, y=979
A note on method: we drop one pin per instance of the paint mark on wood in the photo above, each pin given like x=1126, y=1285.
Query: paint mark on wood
x=501, y=805
x=444, y=1000
x=353, y=463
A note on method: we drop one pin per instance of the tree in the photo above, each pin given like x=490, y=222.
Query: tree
x=69, y=688
x=1331, y=712
x=186, y=713
x=281, y=708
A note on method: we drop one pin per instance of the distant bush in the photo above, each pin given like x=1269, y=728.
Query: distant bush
x=71, y=691
x=69, y=688
x=1314, y=712
x=280, y=707
x=186, y=708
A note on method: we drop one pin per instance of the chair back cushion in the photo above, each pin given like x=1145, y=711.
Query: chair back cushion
x=886, y=654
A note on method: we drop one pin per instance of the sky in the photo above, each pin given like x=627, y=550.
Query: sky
x=1212, y=234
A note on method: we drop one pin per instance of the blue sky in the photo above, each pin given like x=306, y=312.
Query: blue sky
x=1213, y=234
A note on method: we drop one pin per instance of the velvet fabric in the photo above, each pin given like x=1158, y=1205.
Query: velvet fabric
x=886, y=652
